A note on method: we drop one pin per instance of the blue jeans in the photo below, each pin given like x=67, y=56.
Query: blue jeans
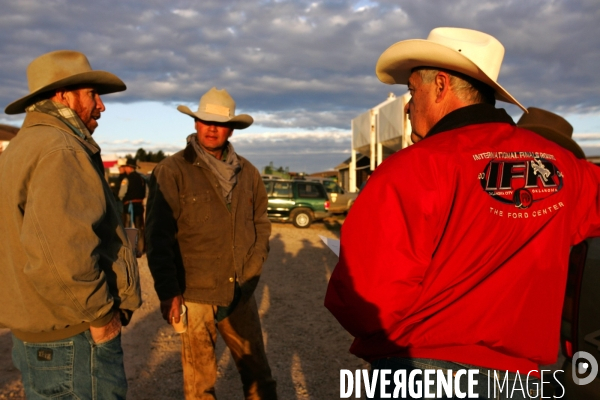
x=72, y=368
x=489, y=385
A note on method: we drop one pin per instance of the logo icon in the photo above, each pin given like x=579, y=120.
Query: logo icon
x=521, y=179
x=583, y=363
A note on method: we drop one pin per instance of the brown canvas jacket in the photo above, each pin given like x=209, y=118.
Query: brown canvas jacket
x=65, y=261
x=196, y=246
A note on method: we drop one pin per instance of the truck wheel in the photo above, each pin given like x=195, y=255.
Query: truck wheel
x=301, y=218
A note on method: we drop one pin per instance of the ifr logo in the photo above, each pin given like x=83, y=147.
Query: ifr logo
x=584, y=363
x=521, y=180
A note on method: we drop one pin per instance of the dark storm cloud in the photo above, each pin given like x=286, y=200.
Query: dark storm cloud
x=299, y=64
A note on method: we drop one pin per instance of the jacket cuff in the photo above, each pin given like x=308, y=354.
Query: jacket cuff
x=168, y=293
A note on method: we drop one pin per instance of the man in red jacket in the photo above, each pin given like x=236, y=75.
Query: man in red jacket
x=454, y=257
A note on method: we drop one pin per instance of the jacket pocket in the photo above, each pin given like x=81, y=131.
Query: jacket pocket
x=201, y=272
x=195, y=207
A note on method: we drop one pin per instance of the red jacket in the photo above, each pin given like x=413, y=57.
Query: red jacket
x=457, y=249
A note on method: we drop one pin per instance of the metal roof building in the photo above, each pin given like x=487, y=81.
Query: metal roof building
x=378, y=133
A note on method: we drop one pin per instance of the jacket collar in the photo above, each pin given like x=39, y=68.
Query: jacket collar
x=35, y=118
x=470, y=115
x=189, y=154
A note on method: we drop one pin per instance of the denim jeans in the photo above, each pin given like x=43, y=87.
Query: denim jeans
x=491, y=384
x=72, y=368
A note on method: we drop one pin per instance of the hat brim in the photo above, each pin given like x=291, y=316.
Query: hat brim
x=396, y=64
x=241, y=121
x=104, y=82
x=556, y=137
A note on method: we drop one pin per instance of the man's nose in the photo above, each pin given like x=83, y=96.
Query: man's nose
x=100, y=103
x=407, y=109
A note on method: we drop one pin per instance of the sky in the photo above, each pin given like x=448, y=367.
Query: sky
x=302, y=69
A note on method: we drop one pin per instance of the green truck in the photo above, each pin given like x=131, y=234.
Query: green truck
x=301, y=202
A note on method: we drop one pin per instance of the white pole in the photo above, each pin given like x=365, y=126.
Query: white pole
x=373, y=140
x=352, y=167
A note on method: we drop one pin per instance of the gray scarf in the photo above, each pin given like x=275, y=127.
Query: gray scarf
x=225, y=170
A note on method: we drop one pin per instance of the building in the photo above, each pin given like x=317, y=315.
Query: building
x=362, y=170
x=376, y=134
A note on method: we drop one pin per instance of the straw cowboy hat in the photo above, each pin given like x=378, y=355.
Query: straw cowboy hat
x=218, y=106
x=551, y=126
x=60, y=69
x=475, y=54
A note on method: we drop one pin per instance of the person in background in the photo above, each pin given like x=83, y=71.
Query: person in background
x=454, y=253
x=551, y=126
x=208, y=236
x=68, y=276
x=132, y=194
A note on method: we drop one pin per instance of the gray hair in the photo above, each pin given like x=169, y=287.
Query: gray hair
x=467, y=89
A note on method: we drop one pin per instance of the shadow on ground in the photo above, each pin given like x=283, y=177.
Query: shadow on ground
x=305, y=345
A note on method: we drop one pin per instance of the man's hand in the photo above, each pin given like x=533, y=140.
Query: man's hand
x=108, y=331
x=171, y=308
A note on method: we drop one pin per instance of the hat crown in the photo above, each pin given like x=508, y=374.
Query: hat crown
x=484, y=50
x=130, y=163
x=218, y=106
x=217, y=102
x=55, y=66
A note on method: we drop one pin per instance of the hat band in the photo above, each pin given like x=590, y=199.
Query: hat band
x=217, y=110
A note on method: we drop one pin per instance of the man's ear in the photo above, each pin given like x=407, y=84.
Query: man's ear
x=442, y=86
x=60, y=96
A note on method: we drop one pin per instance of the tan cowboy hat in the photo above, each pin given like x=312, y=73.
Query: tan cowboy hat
x=63, y=68
x=218, y=106
x=551, y=126
x=475, y=54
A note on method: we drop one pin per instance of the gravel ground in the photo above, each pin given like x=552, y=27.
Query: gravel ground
x=305, y=345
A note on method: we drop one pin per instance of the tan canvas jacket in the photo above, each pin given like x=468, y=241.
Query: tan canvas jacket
x=196, y=246
x=65, y=261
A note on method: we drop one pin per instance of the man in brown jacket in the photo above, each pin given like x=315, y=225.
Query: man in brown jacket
x=207, y=236
x=68, y=276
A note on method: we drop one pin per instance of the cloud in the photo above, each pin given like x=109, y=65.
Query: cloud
x=309, y=64
x=311, y=151
x=125, y=146
x=302, y=152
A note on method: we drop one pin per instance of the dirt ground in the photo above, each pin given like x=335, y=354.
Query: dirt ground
x=305, y=345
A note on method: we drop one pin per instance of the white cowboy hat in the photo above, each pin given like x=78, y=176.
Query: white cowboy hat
x=218, y=106
x=473, y=53
x=63, y=68
x=551, y=126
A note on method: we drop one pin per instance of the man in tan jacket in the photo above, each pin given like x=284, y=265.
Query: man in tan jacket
x=207, y=234
x=68, y=277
